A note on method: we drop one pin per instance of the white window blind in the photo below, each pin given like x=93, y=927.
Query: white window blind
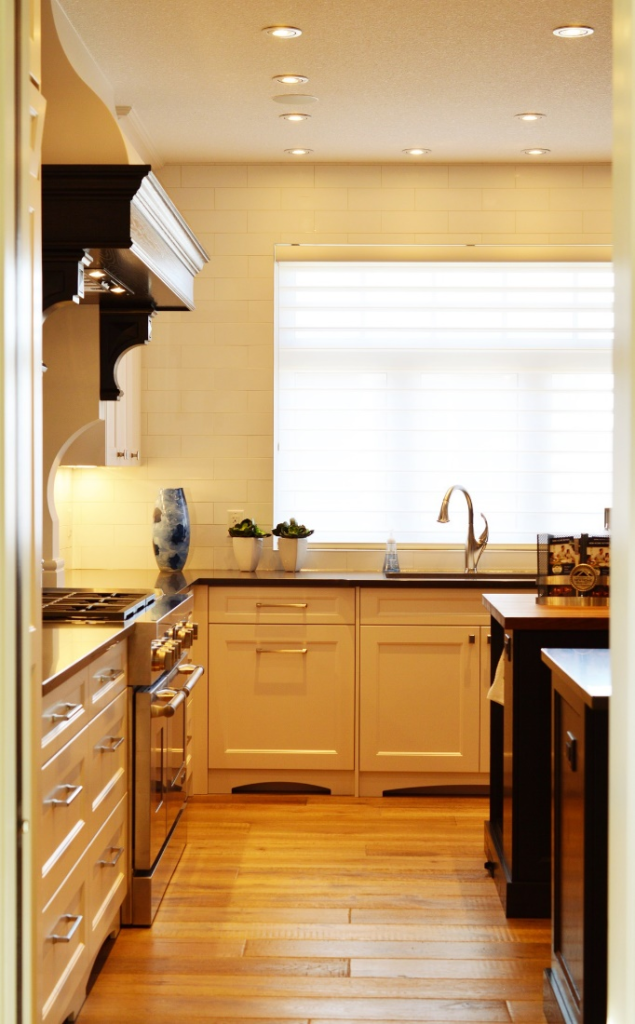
x=396, y=380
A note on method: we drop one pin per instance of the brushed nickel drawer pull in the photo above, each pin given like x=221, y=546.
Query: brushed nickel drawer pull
x=282, y=650
x=76, y=919
x=73, y=793
x=108, y=675
x=299, y=604
x=110, y=743
x=72, y=710
x=117, y=850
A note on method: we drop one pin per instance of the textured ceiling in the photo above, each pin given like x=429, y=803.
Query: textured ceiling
x=447, y=75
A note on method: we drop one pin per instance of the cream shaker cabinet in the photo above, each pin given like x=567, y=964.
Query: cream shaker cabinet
x=282, y=678
x=422, y=686
x=419, y=706
x=84, y=828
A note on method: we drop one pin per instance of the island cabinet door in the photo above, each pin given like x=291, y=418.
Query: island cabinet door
x=282, y=696
x=419, y=693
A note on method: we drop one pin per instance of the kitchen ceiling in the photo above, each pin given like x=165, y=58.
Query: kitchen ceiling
x=445, y=75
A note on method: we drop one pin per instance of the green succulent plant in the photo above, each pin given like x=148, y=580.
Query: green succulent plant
x=291, y=530
x=247, y=528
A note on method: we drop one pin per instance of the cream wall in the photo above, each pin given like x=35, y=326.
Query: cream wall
x=207, y=379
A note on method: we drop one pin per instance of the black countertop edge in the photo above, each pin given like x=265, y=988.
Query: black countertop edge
x=80, y=644
x=218, y=578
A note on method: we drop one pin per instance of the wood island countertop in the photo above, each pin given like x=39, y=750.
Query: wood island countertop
x=520, y=611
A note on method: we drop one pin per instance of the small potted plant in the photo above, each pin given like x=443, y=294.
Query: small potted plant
x=247, y=544
x=292, y=544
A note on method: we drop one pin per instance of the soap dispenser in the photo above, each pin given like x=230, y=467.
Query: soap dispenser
x=391, y=558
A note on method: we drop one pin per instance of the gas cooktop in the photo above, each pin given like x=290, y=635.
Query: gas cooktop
x=60, y=604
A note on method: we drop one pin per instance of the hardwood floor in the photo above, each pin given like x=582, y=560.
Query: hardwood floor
x=289, y=910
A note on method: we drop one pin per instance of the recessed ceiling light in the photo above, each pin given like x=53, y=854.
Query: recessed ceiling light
x=117, y=289
x=295, y=117
x=298, y=152
x=97, y=274
x=573, y=31
x=417, y=152
x=536, y=152
x=291, y=79
x=283, y=31
x=530, y=117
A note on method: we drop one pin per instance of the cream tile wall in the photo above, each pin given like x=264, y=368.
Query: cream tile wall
x=207, y=380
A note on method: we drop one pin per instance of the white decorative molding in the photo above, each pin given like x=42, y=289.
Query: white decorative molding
x=136, y=132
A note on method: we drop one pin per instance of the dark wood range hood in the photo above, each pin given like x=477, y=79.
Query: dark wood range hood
x=115, y=221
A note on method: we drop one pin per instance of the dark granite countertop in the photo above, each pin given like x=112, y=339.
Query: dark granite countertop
x=587, y=672
x=174, y=583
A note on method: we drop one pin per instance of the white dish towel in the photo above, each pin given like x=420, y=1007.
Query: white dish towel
x=497, y=689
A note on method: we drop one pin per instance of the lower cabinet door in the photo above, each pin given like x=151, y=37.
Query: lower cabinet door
x=282, y=696
x=107, y=874
x=65, y=947
x=420, y=698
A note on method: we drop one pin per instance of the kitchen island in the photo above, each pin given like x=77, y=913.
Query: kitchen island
x=518, y=832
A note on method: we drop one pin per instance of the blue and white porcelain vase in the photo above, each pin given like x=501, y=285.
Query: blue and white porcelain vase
x=171, y=529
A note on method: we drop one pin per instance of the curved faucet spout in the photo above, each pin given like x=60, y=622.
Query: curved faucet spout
x=473, y=548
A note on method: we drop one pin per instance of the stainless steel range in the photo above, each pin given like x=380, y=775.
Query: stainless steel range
x=161, y=678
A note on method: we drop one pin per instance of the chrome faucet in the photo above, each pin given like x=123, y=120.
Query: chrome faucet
x=473, y=548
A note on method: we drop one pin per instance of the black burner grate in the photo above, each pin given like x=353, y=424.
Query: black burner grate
x=60, y=604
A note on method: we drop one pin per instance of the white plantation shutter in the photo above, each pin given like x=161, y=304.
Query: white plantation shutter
x=395, y=380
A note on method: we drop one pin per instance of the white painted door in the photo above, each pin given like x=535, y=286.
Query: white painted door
x=419, y=698
x=282, y=696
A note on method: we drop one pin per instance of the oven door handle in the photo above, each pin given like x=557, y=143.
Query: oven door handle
x=168, y=710
x=193, y=673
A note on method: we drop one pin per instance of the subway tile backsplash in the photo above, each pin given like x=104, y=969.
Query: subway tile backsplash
x=208, y=375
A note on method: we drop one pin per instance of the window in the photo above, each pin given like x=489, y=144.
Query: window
x=395, y=380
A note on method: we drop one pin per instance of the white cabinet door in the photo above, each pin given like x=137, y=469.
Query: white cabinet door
x=282, y=696
x=123, y=418
x=419, y=698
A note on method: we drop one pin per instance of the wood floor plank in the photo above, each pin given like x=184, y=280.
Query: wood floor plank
x=403, y=950
x=525, y=1012
x=301, y=910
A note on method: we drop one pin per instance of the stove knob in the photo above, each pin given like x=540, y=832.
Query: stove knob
x=184, y=634
x=194, y=628
x=158, y=656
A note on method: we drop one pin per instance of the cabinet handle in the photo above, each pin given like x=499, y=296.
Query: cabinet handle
x=76, y=919
x=108, y=675
x=571, y=751
x=121, y=455
x=134, y=455
x=116, y=850
x=472, y=638
x=110, y=743
x=72, y=710
x=73, y=793
x=264, y=604
x=507, y=646
x=282, y=650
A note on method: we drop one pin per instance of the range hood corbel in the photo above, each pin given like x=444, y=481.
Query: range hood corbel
x=119, y=330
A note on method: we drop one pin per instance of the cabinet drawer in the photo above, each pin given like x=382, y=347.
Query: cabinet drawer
x=65, y=812
x=64, y=713
x=282, y=697
x=383, y=606
x=65, y=953
x=107, y=760
x=107, y=676
x=107, y=873
x=317, y=605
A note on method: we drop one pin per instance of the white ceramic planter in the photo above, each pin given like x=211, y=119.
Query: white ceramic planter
x=247, y=552
x=292, y=551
